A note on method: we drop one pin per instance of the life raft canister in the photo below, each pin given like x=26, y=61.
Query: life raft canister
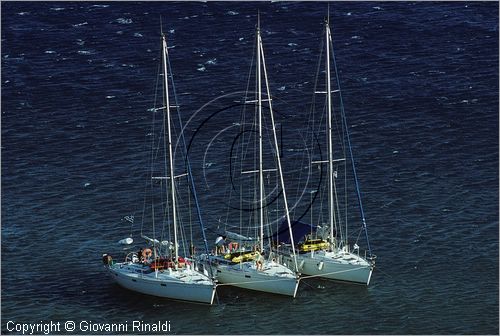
x=313, y=245
x=245, y=256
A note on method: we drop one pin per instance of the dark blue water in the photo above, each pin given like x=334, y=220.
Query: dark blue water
x=420, y=87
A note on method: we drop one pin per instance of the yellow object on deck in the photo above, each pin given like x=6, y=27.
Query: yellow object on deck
x=313, y=245
x=240, y=256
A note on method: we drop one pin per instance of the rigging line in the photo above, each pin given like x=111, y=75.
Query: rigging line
x=331, y=211
x=357, y=238
x=344, y=119
x=305, y=283
x=313, y=100
x=346, y=196
x=249, y=77
x=338, y=210
x=190, y=220
x=287, y=212
x=244, y=151
x=242, y=156
x=165, y=211
x=168, y=127
x=149, y=182
x=131, y=227
x=313, y=137
x=318, y=187
x=188, y=163
x=152, y=157
x=259, y=97
x=242, y=123
x=340, y=131
x=385, y=273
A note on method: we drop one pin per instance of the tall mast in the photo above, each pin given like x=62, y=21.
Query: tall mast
x=330, y=142
x=259, y=104
x=353, y=165
x=170, y=151
x=282, y=181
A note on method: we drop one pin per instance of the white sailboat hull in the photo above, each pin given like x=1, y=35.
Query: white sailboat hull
x=274, y=278
x=185, y=285
x=340, y=266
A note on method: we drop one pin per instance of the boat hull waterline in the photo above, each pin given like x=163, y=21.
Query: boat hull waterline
x=273, y=278
x=187, y=285
x=345, y=266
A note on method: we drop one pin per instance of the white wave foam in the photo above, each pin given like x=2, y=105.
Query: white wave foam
x=123, y=21
x=80, y=24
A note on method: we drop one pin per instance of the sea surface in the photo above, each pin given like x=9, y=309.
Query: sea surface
x=420, y=89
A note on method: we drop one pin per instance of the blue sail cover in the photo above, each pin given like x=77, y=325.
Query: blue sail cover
x=299, y=230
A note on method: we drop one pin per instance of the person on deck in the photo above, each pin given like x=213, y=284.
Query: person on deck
x=139, y=256
x=259, y=260
x=219, y=244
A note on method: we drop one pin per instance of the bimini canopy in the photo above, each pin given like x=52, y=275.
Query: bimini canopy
x=299, y=230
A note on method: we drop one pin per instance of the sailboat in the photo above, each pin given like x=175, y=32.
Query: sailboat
x=160, y=270
x=246, y=266
x=325, y=252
